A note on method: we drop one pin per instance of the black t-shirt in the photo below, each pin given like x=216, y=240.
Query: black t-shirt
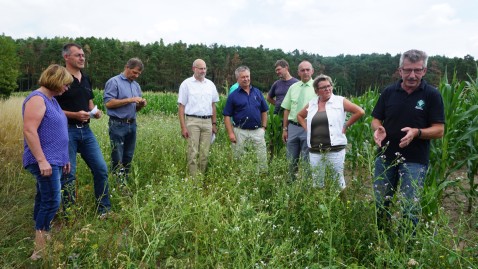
x=398, y=109
x=77, y=97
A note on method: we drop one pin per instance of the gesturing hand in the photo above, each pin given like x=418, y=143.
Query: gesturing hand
x=408, y=138
x=379, y=135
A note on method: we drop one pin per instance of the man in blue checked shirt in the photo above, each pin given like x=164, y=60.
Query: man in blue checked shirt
x=123, y=98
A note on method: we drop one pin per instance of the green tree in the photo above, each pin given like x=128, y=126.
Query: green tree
x=167, y=65
x=9, y=64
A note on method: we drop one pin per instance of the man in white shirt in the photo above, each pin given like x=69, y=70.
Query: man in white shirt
x=197, y=116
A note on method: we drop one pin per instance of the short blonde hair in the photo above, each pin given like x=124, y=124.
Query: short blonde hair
x=320, y=78
x=55, y=77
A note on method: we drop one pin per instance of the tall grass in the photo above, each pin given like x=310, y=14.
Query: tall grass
x=231, y=217
x=16, y=190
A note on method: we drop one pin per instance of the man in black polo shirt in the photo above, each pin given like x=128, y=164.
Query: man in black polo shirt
x=407, y=115
x=77, y=103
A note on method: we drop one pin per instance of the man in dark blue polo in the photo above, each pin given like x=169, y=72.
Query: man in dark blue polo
x=248, y=110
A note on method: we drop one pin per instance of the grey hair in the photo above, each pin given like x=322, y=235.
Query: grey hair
x=414, y=56
x=66, y=48
x=135, y=62
x=241, y=69
x=320, y=78
x=282, y=63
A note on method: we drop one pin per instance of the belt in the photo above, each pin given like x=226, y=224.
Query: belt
x=295, y=123
x=78, y=125
x=253, y=128
x=201, y=117
x=122, y=120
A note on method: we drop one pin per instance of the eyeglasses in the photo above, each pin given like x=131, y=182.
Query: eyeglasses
x=325, y=87
x=79, y=55
x=408, y=71
x=305, y=70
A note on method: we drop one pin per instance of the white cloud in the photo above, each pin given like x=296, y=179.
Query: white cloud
x=297, y=5
x=439, y=15
x=327, y=28
x=167, y=26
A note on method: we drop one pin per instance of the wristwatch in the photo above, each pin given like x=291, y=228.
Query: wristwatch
x=284, y=129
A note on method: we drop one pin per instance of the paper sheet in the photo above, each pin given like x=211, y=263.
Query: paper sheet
x=93, y=112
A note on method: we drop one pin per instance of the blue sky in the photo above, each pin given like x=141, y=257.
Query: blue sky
x=328, y=28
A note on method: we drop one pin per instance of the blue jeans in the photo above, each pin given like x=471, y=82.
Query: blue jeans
x=48, y=197
x=83, y=141
x=389, y=176
x=123, y=142
x=297, y=148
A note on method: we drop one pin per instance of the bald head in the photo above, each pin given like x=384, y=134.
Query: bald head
x=199, y=69
x=305, y=71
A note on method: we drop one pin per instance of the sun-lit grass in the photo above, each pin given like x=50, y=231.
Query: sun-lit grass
x=230, y=218
x=11, y=132
x=16, y=189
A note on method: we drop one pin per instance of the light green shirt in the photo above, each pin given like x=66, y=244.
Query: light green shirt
x=297, y=97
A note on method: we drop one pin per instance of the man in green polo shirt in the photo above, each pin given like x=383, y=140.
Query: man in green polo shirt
x=295, y=137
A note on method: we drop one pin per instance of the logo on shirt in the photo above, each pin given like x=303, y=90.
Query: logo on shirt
x=420, y=105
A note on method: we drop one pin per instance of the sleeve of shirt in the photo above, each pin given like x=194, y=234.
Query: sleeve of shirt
x=379, y=109
x=140, y=92
x=213, y=91
x=229, y=107
x=182, y=95
x=91, y=95
x=215, y=95
x=286, y=103
x=437, y=108
x=272, y=91
x=111, y=90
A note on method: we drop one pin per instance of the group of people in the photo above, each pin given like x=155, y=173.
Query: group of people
x=407, y=116
x=56, y=116
x=56, y=127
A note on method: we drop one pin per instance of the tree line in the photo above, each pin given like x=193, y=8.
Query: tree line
x=167, y=65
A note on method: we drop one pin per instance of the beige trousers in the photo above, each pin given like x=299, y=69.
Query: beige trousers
x=254, y=139
x=199, y=142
